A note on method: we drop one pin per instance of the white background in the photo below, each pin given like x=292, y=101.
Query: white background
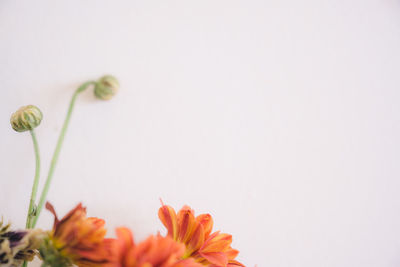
x=280, y=118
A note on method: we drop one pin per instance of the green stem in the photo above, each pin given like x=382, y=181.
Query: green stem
x=46, y=187
x=31, y=210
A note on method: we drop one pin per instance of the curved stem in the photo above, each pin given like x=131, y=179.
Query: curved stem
x=31, y=210
x=53, y=163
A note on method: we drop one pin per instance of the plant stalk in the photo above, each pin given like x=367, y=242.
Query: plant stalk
x=32, y=207
x=60, y=141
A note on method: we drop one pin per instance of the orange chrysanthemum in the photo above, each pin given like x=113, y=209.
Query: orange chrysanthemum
x=155, y=251
x=210, y=249
x=76, y=239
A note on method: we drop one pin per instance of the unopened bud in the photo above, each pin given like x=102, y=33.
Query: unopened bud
x=106, y=87
x=26, y=118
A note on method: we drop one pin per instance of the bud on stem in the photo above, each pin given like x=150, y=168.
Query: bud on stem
x=106, y=87
x=26, y=118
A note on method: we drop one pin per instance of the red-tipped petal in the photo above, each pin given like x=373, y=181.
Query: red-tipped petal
x=50, y=207
x=186, y=224
x=168, y=217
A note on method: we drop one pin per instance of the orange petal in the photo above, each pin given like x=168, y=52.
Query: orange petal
x=234, y=263
x=50, y=207
x=68, y=222
x=125, y=237
x=207, y=222
x=187, y=263
x=217, y=243
x=186, y=224
x=167, y=216
x=121, y=248
x=196, y=240
x=231, y=253
x=216, y=258
x=159, y=251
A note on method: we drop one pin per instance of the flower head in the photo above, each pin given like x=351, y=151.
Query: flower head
x=210, y=249
x=26, y=118
x=75, y=239
x=106, y=87
x=155, y=251
x=18, y=246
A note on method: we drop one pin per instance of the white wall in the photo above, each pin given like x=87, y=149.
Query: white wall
x=280, y=118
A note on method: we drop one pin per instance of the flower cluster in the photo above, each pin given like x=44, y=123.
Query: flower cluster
x=75, y=239
x=210, y=249
x=79, y=240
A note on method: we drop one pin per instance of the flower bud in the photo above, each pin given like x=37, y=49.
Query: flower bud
x=106, y=87
x=26, y=118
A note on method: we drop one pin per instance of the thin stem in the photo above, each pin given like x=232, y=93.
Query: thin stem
x=46, y=187
x=32, y=208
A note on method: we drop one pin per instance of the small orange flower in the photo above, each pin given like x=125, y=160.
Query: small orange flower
x=155, y=251
x=76, y=239
x=210, y=249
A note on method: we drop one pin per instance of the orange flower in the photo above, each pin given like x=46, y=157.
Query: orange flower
x=76, y=239
x=210, y=249
x=155, y=251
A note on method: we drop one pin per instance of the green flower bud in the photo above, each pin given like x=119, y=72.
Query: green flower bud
x=26, y=118
x=106, y=87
